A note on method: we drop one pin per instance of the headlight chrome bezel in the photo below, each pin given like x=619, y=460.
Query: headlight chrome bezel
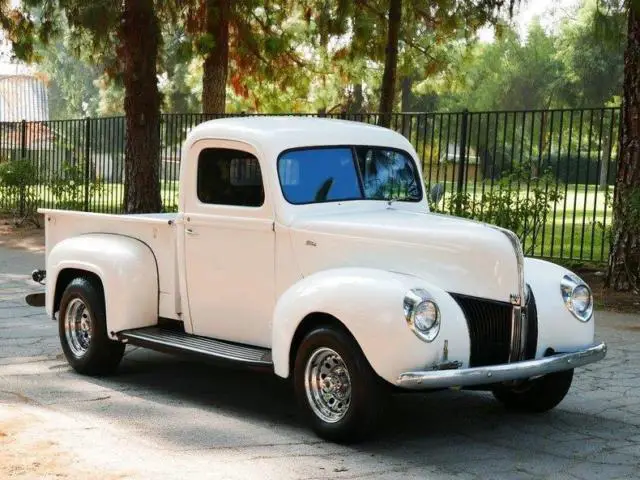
x=568, y=286
x=412, y=301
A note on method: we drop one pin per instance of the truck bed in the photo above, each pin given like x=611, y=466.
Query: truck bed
x=157, y=230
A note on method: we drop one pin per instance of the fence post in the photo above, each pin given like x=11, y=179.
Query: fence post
x=462, y=164
x=23, y=139
x=87, y=163
x=23, y=157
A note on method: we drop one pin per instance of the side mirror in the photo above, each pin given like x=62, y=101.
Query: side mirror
x=436, y=193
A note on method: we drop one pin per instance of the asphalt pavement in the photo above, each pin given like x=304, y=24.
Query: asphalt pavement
x=169, y=417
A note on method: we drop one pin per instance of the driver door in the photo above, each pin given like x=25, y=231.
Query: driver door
x=229, y=245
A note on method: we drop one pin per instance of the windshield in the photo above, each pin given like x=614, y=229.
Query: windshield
x=317, y=175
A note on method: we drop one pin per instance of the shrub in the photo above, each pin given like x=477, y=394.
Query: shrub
x=19, y=198
x=505, y=206
x=68, y=186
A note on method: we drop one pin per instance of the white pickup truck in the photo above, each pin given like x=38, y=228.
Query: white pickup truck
x=306, y=246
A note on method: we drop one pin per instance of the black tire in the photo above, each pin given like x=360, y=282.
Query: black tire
x=102, y=355
x=367, y=397
x=536, y=396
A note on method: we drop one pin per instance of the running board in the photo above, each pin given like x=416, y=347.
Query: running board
x=173, y=341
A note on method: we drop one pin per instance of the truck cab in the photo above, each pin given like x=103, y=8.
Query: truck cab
x=306, y=247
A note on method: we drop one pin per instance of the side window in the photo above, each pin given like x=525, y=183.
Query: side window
x=229, y=177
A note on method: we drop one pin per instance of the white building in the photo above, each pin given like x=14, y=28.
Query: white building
x=23, y=94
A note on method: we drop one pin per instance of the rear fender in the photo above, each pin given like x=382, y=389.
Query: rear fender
x=127, y=269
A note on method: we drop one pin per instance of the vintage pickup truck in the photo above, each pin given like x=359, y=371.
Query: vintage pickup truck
x=306, y=247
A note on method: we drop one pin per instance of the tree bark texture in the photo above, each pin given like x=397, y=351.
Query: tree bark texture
x=358, y=98
x=624, y=259
x=405, y=98
x=405, y=104
x=139, y=38
x=356, y=102
x=216, y=61
x=388, y=89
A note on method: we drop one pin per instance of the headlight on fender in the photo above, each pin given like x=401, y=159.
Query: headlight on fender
x=422, y=314
x=577, y=297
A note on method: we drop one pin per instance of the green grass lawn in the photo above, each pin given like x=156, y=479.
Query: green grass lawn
x=107, y=199
x=574, y=225
x=583, y=210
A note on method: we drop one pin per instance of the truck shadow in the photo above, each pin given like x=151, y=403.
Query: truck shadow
x=442, y=421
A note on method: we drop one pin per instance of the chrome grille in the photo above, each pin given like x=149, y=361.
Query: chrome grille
x=489, y=325
x=490, y=330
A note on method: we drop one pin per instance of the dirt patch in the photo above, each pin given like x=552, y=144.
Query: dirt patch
x=27, y=451
x=25, y=236
x=623, y=302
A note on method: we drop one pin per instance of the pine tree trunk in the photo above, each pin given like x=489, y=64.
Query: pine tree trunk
x=624, y=259
x=358, y=98
x=387, y=94
x=139, y=37
x=405, y=98
x=216, y=62
x=405, y=104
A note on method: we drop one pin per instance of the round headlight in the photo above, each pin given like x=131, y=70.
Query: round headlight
x=422, y=314
x=577, y=297
x=425, y=316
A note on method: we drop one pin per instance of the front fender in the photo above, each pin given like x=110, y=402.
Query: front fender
x=127, y=269
x=557, y=327
x=369, y=302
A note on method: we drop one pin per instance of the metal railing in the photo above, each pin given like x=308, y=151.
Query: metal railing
x=569, y=155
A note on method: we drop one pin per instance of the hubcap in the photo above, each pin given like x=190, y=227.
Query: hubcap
x=77, y=327
x=328, y=385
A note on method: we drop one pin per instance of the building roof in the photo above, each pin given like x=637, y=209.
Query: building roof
x=23, y=97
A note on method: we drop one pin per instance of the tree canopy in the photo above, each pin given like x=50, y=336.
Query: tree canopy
x=320, y=55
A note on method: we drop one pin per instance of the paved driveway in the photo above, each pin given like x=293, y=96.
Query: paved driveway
x=166, y=417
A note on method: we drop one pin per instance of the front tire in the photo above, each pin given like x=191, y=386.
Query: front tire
x=337, y=390
x=538, y=395
x=82, y=328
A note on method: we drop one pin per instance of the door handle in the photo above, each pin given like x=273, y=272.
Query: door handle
x=190, y=231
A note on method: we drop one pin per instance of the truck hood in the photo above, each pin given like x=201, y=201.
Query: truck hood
x=457, y=255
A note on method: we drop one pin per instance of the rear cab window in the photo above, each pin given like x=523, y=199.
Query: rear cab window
x=229, y=177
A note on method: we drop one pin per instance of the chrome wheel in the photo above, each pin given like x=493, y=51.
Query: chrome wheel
x=328, y=385
x=77, y=326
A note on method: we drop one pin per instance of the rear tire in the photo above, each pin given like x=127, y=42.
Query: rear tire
x=536, y=396
x=82, y=328
x=338, y=392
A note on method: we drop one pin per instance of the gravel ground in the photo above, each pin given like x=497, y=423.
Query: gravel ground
x=162, y=417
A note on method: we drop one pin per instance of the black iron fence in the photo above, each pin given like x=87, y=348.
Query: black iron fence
x=546, y=174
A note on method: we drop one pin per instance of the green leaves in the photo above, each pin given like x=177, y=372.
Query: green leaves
x=68, y=185
x=204, y=43
x=505, y=205
x=18, y=179
x=18, y=173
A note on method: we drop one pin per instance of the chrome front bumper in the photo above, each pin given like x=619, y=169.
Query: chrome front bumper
x=500, y=373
